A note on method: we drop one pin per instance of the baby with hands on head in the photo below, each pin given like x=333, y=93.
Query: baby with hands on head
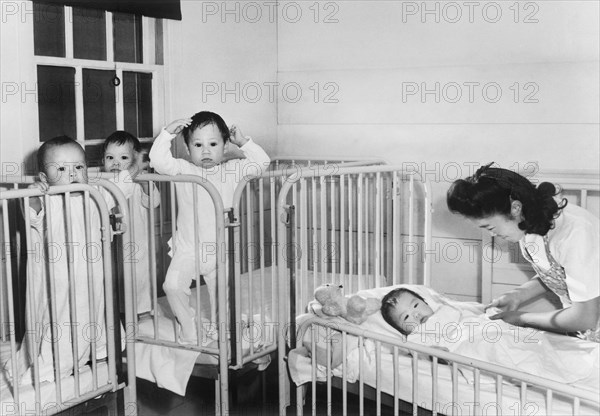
x=206, y=138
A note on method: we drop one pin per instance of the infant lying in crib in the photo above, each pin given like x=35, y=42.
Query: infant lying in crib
x=463, y=328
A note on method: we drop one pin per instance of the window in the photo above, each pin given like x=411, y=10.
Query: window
x=97, y=72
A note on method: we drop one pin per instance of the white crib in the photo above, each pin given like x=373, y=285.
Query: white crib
x=397, y=375
x=99, y=375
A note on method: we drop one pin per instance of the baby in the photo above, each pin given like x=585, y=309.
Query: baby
x=61, y=161
x=206, y=137
x=405, y=310
x=122, y=155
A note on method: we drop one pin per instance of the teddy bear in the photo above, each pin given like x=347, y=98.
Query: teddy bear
x=330, y=301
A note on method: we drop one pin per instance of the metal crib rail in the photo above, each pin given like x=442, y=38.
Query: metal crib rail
x=94, y=194
x=312, y=205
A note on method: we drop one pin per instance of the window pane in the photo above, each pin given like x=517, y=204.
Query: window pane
x=89, y=34
x=56, y=101
x=127, y=33
x=48, y=30
x=99, y=108
x=158, y=34
x=137, y=103
x=93, y=155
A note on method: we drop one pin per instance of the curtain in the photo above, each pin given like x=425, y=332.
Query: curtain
x=163, y=9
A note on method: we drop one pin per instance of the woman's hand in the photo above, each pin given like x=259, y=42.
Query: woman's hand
x=508, y=302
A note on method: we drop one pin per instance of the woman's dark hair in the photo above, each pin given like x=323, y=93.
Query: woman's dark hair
x=388, y=303
x=121, y=137
x=202, y=119
x=491, y=191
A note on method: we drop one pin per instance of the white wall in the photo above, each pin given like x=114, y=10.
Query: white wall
x=216, y=65
x=377, y=50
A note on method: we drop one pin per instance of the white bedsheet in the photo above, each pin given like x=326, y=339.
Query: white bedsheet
x=555, y=353
x=171, y=368
x=47, y=402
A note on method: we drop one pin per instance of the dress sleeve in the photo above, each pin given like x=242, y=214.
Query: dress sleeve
x=578, y=252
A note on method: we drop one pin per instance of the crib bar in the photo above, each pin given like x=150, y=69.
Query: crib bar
x=344, y=374
x=274, y=243
x=91, y=294
x=415, y=383
x=197, y=273
x=454, y=389
x=328, y=369
x=262, y=247
x=321, y=247
x=523, y=397
x=9, y=289
x=313, y=347
x=396, y=230
x=378, y=377
x=331, y=251
x=350, y=235
x=342, y=250
x=378, y=231
x=361, y=386
x=411, y=229
x=72, y=293
x=132, y=252
x=477, y=391
x=498, y=393
x=396, y=381
x=250, y=233
x=367, y=208
x=583, y=198
x=302, y=242
x=359, y=231
x=549, y=401
x=576, y=404
x=152, y=255
x=434, y=385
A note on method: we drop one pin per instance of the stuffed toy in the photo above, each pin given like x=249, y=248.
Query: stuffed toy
x=330, y=301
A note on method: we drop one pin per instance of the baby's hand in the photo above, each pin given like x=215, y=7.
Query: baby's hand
x=176, y=126
x=42, y=186
x=236, y=136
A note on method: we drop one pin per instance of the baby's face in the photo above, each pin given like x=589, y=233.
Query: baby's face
x=206, y=146
x=410, y=312
x=65, y=165
x=118, y=157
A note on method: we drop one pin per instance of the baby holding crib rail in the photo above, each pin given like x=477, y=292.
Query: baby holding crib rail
x=122, y=155
x=72, y=260
x=206, y=137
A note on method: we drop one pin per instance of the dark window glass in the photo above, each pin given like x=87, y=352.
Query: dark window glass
x=127, y=34
x=137, y=103
x=99, y=108
x=48, y=30
x=89, y=34
x=158, y=34
x=56, y=101
x=93, y=155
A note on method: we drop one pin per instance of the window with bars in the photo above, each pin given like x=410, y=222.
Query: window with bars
x=97, y=72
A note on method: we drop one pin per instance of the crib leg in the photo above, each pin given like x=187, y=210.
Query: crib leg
x=217, y=396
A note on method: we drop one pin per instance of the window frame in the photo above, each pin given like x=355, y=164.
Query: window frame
x=147, y=66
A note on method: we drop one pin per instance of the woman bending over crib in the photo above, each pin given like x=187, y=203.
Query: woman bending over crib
x=561, y=241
